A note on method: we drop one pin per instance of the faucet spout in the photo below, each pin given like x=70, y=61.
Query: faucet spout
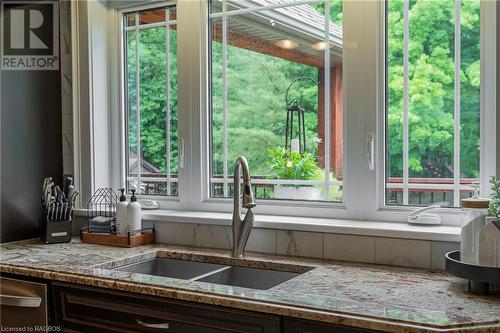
x=242, y=226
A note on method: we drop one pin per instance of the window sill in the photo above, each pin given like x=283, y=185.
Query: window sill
x=338, y=226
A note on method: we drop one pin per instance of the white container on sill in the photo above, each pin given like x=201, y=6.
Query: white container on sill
x=133, y=215
x=293, y=192
x=121, y=214
x=473, y=221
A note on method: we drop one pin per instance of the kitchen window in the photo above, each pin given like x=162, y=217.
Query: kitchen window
x=433, y=101
x=272, y=99
x=150, y=58
x=400, y=118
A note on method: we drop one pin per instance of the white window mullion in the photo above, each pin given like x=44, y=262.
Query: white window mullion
x=489, y=137
x=327, y=99
x=138, y=103
x=224, y=93
x=167, y=95
x=406, y=97
x=456, y=132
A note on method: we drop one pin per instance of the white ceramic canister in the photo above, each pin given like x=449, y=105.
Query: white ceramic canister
x=473, y=221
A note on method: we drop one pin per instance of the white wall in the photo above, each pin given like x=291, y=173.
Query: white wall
x=498, y=91
x=93, y=35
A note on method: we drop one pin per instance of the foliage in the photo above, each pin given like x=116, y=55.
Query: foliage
x=335, y=191
x=431, y=88
x=256, y=108
x=285, y=164
x=256, y=114
x=494, y=209
x=153, y=99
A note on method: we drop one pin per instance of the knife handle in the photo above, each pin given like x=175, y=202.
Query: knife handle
x=68, y=181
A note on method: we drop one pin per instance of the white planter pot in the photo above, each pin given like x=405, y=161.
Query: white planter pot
x=297, y=193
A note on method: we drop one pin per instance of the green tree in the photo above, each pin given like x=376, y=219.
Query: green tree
x=257, y=85
x=431, y=88
x=153, y=98
x=256, y=106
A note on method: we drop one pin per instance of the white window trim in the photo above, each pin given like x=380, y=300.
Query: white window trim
x=169, y=202
x=207, y=203
x=364, y=191
x=377, y=209
x=136, y=29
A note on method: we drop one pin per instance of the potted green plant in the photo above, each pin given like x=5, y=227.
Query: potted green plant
x=287, y=165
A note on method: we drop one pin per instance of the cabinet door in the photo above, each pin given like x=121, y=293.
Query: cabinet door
x=23, y=304
x=304, y=326
x=86, y=309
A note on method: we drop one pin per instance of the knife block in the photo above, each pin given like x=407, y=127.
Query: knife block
x=53, y=232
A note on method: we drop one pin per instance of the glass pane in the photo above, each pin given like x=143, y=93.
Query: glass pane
x=130, y=19
x=431, y=112
x=152, y=16
x=431, y=96
x=394, y=106
x=217, y=145
x=172, y=16
x=153, y=107
x=174, y=119
x=131, y=63
x=469, y=95
x=274, y=113
x=153, y=165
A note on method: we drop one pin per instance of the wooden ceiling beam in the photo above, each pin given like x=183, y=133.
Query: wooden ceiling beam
x=252, y=44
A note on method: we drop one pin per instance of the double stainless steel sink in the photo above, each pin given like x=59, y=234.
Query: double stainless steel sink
x=255, y=278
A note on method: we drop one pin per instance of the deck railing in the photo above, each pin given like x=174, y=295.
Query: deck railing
x=422, y=191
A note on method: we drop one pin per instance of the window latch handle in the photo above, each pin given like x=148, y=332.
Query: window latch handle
x=370, y=150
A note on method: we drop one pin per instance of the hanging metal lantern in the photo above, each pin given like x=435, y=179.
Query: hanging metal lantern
x=295, y=130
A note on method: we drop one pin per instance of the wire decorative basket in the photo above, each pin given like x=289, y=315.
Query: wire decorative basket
x=101, y=211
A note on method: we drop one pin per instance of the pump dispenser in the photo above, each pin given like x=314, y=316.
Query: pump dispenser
x=121, y=214
x=134, y=215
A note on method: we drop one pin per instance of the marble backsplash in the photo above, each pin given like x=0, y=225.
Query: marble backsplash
x=366, y=249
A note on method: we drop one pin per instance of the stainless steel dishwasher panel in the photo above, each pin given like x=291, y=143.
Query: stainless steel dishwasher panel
x=23, y=304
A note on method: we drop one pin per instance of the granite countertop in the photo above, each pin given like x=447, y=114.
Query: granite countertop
x=385, y=298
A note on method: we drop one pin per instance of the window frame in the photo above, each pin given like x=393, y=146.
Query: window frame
x=364, y=189
x=379, y=210
x=136, y=29
x=167, y=202
x=272, y=207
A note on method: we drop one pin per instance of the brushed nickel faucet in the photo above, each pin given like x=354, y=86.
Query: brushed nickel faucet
x=242, y=227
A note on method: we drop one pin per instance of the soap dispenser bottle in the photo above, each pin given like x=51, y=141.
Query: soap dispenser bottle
x=121, y=214
x=134, y=214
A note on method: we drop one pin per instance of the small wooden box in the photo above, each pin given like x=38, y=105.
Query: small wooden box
x=118, y=240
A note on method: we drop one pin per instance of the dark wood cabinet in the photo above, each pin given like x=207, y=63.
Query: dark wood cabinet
x=91, y=309
x=88, y=309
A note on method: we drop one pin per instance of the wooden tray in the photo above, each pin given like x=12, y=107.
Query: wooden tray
x=118, y=240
